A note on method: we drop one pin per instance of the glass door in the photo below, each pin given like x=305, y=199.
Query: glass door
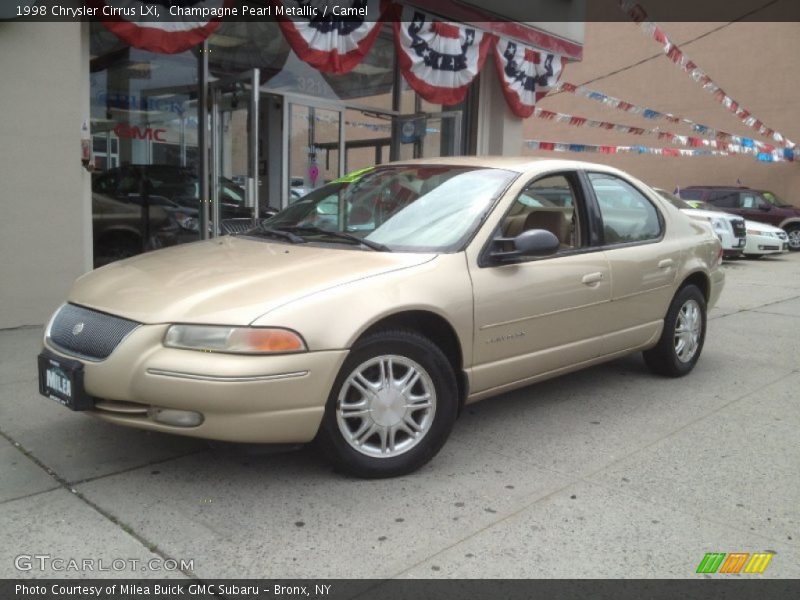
x=442, y=135
x=313, y=148
x=234, y=175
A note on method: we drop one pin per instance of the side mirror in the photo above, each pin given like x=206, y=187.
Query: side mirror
x=765, y=206
x=533, y=242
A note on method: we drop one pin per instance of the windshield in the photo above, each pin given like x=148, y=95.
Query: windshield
x=774, y=200
x=405, y=208
x=691, y=204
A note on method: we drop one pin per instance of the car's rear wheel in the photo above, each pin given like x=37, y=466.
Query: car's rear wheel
x=392, y=406
x=684, y=333
x=793, y=231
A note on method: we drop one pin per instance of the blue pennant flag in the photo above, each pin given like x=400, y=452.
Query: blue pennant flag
x=788, y=153
x=765, y=157
x=650, y=114
x=577, y=148
x=597, y=96
x=748, y=143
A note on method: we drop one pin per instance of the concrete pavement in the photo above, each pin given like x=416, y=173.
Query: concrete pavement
x=610, y=472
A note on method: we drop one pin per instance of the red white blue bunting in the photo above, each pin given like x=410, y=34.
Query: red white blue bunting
x=166, y=37
x=439, y=59
x=526, y=74
x=332, y=44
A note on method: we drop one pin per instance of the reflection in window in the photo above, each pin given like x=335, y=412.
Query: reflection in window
x=547, y=203
x=627, y=215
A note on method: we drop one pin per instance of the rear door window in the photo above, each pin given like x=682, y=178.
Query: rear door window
x=724, y=199
x=628, y=216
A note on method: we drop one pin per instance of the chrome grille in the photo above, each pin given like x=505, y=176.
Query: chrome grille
x=739, y=230
x=88, y=333
x=231, y=226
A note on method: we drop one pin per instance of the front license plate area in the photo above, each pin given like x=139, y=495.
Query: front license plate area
x=61, y=379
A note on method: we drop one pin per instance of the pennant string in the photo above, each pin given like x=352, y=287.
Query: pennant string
x=598, y=149
x=650, y=114
x=679, y=59
x=681, y=140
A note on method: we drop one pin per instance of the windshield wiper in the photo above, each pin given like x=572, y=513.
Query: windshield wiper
x=342, y=236
x=279, y=233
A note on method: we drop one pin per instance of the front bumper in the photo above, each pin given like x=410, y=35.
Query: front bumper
x=256, y=399
x=732, y=246
x=762, y=245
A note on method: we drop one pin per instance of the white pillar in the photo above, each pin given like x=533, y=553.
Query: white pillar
x=499, y=130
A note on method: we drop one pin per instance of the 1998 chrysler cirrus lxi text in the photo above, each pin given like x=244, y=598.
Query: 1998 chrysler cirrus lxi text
x=365, y=315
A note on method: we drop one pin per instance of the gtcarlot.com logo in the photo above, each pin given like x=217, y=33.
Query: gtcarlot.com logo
x=48, y=562
x=734, y=562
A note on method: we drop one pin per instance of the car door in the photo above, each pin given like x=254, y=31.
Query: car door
x=537, y=315
x=757, y=208
x=643, y=262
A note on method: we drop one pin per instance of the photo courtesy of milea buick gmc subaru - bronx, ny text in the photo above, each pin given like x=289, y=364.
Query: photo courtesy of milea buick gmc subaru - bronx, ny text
x=366, y=314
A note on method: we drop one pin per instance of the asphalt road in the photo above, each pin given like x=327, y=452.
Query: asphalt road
x=611, y=472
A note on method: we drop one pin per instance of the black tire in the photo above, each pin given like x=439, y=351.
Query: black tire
x=406, y=345
x=794, y=237
x=663, y=359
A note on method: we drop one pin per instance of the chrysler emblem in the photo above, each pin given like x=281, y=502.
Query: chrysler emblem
x=77, y=329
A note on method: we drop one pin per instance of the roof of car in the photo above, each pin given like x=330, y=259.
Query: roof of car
x=716, y=187
x=520, y=164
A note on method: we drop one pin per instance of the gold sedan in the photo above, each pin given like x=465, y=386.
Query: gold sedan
x=365, y=315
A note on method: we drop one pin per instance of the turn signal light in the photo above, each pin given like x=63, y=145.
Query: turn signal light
x=238, y=340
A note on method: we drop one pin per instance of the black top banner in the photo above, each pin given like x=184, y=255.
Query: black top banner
x=457, y=10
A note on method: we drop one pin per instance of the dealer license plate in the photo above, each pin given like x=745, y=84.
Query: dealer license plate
x=62, y=380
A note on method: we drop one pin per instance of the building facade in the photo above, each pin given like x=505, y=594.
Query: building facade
x=109, y=149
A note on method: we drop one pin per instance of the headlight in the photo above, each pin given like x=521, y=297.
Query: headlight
x=188, y=223
x=238, y=340
x=757, y=232
x=719, y=224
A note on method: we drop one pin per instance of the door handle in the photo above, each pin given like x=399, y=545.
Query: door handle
x=592, y=278
x=666, y=263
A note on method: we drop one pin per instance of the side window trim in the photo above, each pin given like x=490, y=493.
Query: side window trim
x=601, y=230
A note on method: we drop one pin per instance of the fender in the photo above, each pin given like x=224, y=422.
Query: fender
x=790, y=221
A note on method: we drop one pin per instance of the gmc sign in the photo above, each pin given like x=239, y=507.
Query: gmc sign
x=123, y=130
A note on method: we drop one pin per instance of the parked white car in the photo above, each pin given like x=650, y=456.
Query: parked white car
x=730, y=229
x=764, y=239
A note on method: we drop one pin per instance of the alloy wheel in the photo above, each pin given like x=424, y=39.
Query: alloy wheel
x=386, y=406
x=794, y=238
x=688, y=327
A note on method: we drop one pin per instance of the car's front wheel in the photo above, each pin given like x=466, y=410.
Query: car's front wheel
x=392, y=406
x=793, y=231
x=684, y=333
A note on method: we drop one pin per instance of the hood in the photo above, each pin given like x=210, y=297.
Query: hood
x=757, y=226
x=708, y=214
x=227, y=281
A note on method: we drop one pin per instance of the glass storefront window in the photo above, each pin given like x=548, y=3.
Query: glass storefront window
x=144, y=137
x=144, y=126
